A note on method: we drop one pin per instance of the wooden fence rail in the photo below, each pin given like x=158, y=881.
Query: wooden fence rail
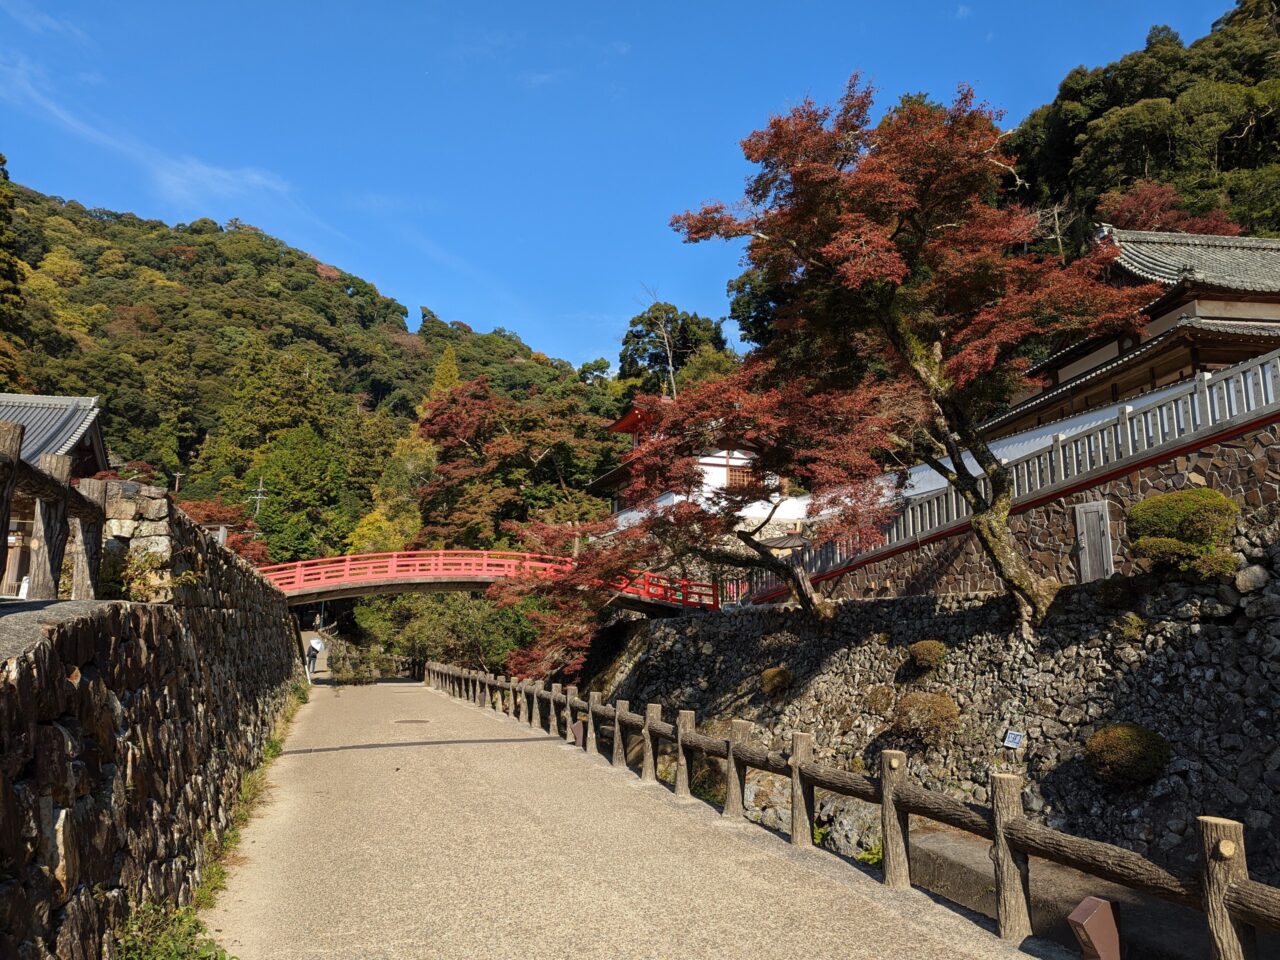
x=1233, y=904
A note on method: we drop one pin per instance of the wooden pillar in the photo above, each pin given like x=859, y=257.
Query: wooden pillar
x=552, y=722
x=49, y=537
x=502, y=696
x=735, y=771
x=1222, y=864
x=570, y=694
x=893, y=824
x=684, y=727
x=802, y=809
x=10, y=454
x=649, y=766
x=531, y=703
x=535, y=701
x=518, y=709
x=619, y=733
x=1013, y=886
x=592, y=743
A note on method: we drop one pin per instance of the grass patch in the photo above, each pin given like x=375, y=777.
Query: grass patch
x=157, y=933
x=873, y=856
x=160, y=932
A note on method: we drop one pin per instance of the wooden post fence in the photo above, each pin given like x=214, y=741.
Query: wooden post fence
x=1234, y=905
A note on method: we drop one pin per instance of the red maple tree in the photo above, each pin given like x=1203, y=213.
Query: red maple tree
x=902, y=268
x=241, y=530
x=1148, y=205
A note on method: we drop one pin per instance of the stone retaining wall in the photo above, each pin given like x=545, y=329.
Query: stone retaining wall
x=1199, y=663
x=124, y=735
x=1245, y=468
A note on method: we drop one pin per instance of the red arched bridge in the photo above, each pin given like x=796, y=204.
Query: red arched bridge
x=332, y=578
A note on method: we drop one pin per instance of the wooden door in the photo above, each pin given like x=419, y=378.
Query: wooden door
x=1094, y=554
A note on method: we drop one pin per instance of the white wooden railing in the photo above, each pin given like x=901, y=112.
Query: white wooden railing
x=1200, y=406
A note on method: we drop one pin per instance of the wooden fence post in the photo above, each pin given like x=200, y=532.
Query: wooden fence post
x=88, y=543
x=552, y=723
x=893, y=825
x=802, y=809
x=593, y=704
x=1222, y=864
x=535, y=712
x=570, y=694
x=49, y=533
x=619, y=733
x=684, y=727
x=735, y=771
x=649, y=766
x=10, y=454
x=1013, y=882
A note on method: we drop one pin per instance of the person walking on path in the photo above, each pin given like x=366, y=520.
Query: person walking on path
x=313, y=651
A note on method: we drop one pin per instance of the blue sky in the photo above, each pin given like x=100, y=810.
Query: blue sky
x=507, y=164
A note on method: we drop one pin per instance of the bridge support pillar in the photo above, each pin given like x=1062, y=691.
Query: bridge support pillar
x=570, y=695
x=593, y=705
x=619, y=733
x=684, y=727
x=649, y=767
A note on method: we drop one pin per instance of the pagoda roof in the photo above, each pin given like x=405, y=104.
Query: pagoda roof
x=1237, y=264
x=54, y=424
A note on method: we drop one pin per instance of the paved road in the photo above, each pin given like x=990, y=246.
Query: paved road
x=403, y=824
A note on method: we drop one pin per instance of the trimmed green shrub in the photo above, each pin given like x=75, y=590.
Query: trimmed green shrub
x=775, y=680
x=928, y=654
x=1126, y=754
x=1189, y=530
x=880, y=699
x=928, y=716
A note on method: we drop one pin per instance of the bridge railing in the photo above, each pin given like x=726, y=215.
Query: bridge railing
x=1234, y=905
x=480, y=565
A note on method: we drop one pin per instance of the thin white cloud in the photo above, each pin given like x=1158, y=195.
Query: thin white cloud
x=37, y=21
x=542, y=78
x=963, y=11
x=181, y=179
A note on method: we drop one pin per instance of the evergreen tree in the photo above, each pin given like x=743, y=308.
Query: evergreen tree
x=11, y=302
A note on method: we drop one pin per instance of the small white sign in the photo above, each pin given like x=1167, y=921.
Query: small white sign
x=1013, y=739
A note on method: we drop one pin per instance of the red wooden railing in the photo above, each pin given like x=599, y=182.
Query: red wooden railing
x=424, y=566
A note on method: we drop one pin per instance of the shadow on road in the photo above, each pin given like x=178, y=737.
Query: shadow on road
x=418, y=743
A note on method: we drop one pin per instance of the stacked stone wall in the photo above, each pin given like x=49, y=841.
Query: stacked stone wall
x=1197, y=662
x=124, y=736
x=1245, y=468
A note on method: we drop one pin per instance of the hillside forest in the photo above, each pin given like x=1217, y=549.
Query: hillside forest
x=228, y=361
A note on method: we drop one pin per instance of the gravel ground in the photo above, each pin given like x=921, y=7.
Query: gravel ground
x=404, y=824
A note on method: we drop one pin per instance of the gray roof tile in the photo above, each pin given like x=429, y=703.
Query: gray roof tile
x=53, y=424
x=1245, y=264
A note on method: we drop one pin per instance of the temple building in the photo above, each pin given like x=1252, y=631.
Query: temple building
x=1221, y=306
x=60, y=425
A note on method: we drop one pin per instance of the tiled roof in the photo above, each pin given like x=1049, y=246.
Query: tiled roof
x=1245, y=264
x=53, y=424
x=1237, y=328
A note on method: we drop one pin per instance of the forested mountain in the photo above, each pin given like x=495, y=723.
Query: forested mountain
x=229, y=357
x=1202, y=117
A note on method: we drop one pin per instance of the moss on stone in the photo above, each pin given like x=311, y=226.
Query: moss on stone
x=1188, y=530
x=880, y=699
x=775, y=681
x=928, y=654
x=929, y=716
x=1126, y=754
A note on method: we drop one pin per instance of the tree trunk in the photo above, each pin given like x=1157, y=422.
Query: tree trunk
x=990, y=523
x=796, y=576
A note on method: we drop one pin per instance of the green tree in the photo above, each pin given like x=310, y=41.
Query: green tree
x=446, y=375
x=11, y=302
x=660, y=341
